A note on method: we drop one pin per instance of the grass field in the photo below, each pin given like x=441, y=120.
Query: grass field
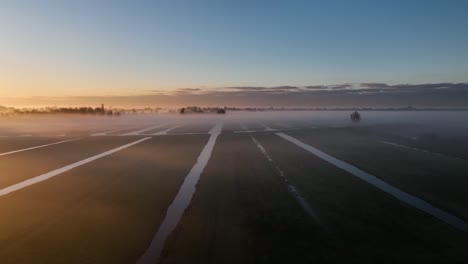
x=242, y=213
x=105, y=211
x=435, y=178
x=98, y=192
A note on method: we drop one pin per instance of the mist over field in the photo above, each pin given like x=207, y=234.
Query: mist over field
x=227, y=132
x=448, y=121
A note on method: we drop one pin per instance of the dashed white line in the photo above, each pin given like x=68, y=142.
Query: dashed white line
x=420, y=150
x=267, y=128
x=36, y=147
x=134, y=133
x=181, y=201
x=190, y=133
x=378, y=183
x=291, y=188
x=263, y=130
x=164, y=132
x=56, y=172
x=109, y=132
x=411, y=148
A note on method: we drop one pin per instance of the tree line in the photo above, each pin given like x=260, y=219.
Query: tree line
x=63, y=110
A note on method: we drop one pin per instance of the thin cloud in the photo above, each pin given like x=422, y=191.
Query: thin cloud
x=189, y=89
x=374, y=85
x=341, y=95
x=315, y=87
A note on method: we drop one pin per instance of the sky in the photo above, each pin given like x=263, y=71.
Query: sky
x=59, y=51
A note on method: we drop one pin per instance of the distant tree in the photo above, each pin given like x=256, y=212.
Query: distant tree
x=355, y=117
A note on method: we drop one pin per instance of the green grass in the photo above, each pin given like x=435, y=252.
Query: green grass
x=109, y=210
x=21, y=166
x=106, y=211
x=366, y=224
x=437, y=179
x=448, y=141
x=243, y=213
x=14, y=143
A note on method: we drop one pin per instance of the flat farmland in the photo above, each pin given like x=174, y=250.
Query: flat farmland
x=193, y=128
x=436, y=178
x=110, y=208
x=242, y=213
x=8, y=144
x=366, y=223
x=231, y=189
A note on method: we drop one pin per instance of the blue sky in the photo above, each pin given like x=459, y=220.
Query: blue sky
x=128, y=47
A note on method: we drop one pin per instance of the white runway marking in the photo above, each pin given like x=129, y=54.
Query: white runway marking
x=109, y=132
x=267, y=128
x=135, y=133
x=411, y=148
x=181, y=201
x=164, y=132
x=56, y=172
x=189, y=133
x=378, y=183
x=36, y=147
x=263, y=130
x=291, y=188
x=248, y=131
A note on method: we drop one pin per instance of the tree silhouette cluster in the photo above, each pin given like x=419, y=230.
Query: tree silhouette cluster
x=64, y=110
x=355, y=117
x=201, y=110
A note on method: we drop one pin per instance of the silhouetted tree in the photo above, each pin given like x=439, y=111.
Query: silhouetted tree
x=355, y=117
